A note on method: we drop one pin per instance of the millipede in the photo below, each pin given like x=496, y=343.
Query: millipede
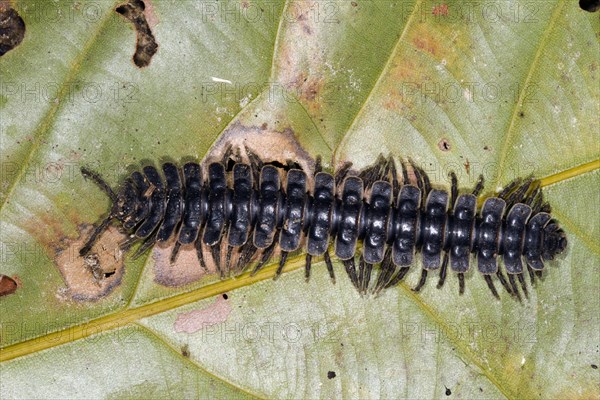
x=377, y=220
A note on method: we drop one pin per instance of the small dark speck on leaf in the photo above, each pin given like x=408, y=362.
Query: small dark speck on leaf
x=185, y=351
x=589, y=5
x=444, y=145
x=486, y=148
x=330, y=375
x=448, y=391
x=521, y=114
x=594, y=366
x=225, y=296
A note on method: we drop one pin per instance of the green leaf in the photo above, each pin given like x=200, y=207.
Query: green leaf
x=494, y=88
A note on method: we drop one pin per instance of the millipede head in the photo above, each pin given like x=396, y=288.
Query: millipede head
x=555, y=241
x=126, y=203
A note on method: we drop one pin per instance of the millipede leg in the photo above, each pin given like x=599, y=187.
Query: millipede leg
x=341, y=173
x=175, y=252
x=97, y=231
x=216, y=255
x=519, y=194
x=419, y=179
x=226, y=154
x=318, y=165
x=246, y=253
x=329, y=266
x=539, y=274
x=523, y=285
x=228, y=260
x=374, y=172
x=426, y=181
x=531, y=274
x=350, y=267
x=267, y=253
x=395, y=184
x=453, y=189
x=533, y=193
x=291, y=164
x=149, y=242
x=479, y=186
x=387, y=269
x=422, y=182
x=503, y=281
x=421, y=281
x=461, y=283
x=307, y=265
x=127, y=243
x=200, y=255
x=256, y=165
x=536, y=204
x=361, y=272
x=87, y=173
x=367, y=277
x=396, y=279
x=490, y=283
x=509, y=188
x=405, y=180
x=443, y=270
x=282, y=261
x=546, y=208
x=513, y=284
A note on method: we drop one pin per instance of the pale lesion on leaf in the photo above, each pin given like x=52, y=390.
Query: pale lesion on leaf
x=97, y=274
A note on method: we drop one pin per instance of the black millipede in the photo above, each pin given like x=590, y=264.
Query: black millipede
x=243, y=211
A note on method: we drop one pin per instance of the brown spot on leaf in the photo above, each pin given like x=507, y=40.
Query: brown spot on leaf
x=185, y=351
x=439, y=43
x=444, y=145
x=193, y=321
x=146, y=46
x=440, y=10
x=424, y=44
x=96, y=275
x=8, y=285
x=12, y=28
x=302, y=65
x=467, y=165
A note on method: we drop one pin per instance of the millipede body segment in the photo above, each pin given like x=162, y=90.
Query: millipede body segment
x=243, y=211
